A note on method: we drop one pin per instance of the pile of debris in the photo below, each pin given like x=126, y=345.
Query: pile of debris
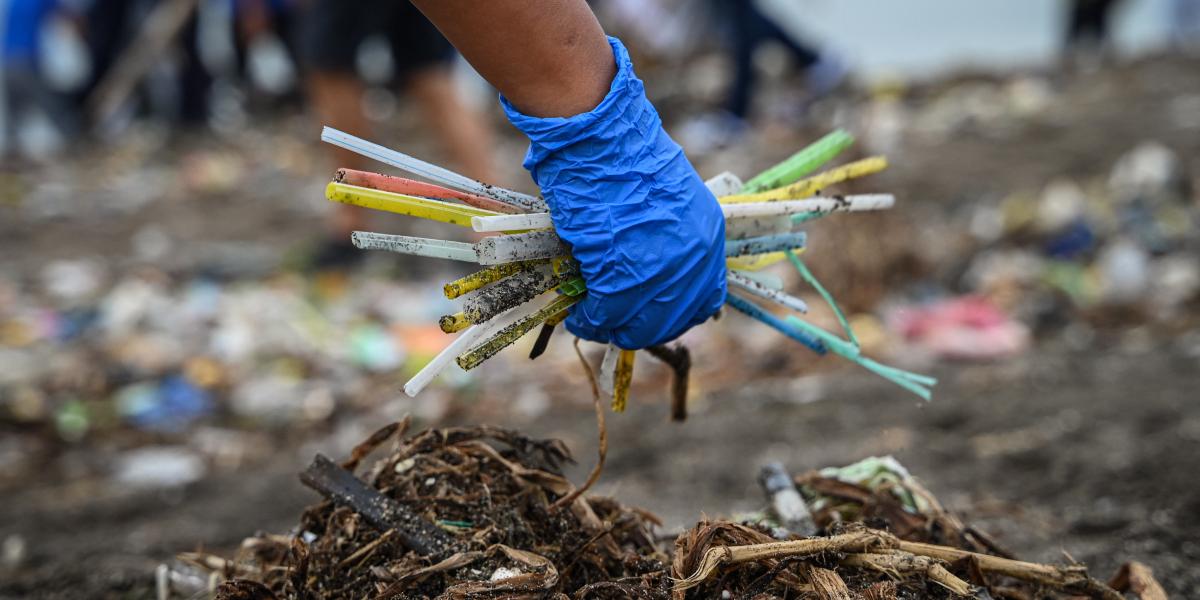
x=486, y=512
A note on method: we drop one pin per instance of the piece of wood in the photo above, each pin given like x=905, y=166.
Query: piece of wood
x=344, y=489
x=680, y=360
x=902, y=563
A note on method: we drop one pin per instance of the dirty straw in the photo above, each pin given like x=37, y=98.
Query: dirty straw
x=530, y=280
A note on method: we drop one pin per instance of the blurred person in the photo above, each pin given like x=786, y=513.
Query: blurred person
x=265, y=45
x=749, y=28
x=331, y=32
x=36, y=117
x=1088, y=28
x=647, y=233
x=1183, y=21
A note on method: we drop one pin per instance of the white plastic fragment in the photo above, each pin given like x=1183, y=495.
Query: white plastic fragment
x=403, y=244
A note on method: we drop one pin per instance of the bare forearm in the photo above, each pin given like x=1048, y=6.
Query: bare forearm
x=548, y=57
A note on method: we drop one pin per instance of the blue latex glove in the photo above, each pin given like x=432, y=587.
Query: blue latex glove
x=649, y=237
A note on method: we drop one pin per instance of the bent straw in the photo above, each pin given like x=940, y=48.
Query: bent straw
x=807, y=187
x=464, y=340
x=916, y=383
x=801, y=163
x=429, y=171
x=811, y=279
x=424, y=208
x=403, y=244
x=777, y=296
x=401, y=185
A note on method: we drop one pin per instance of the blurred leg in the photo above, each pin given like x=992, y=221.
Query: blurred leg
x=337, y=99
x=464, y=131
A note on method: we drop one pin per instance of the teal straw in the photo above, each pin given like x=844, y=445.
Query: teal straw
x=812, y=280
x=913, y=382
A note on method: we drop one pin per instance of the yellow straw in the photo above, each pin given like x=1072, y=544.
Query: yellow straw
x=454, y=323
x=807, y=187
x=622, y=378
x=424, y=208
x=483, y=277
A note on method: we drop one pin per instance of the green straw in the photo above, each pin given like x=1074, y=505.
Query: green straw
x=801, y=163
x=812, y=280
x=913, y=382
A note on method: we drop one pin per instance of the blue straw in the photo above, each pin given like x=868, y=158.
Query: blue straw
x=776, y=323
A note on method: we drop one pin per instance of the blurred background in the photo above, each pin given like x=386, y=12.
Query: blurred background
x=183, y=323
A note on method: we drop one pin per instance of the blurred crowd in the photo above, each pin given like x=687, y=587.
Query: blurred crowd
x=79, y=66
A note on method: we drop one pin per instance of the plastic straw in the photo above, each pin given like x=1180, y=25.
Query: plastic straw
x=765, y=244
x=776, y=323
x=725, y=184
x=623, y=379
x=801, y=163
x=770, y=280
x=811, y=279
x=607, y=377
x=494, y=273
x=913, y=382
x=429, y=171
x=521, y=246
x=512, y=332
x=403, y=244
x=507, y=293
x=464, y=340
x=777, y=296
x=454, y=323
x=424, y=208
x=401, y=185
x=748, y=227
x=512, y=222
x=755, y=263
x=817, y=204
x=807, y=187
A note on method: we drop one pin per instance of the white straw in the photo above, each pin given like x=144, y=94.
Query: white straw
x=608, y=371
x=429, y=171
x=820, y=204
x=809, y=205
x=466, y=340
x=770, y=280
x=762, y=291
x=403, y=244
x=725, y=184
x=512, y=222
x=522, y=246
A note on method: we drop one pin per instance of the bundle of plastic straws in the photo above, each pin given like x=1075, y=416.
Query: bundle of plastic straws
x=529, y=278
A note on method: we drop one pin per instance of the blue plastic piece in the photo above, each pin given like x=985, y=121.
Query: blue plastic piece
x=778, y=324
x=649, y=237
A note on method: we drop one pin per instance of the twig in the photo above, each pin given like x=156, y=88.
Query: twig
x=366, y=550
x=1073, y=579
x=714, y=558
x=602, y=428
x=344, y=489
x=680, y=361
x=1139, y=579
x=898, y=563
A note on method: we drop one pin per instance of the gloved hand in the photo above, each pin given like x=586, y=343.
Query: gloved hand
x=649, y=237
